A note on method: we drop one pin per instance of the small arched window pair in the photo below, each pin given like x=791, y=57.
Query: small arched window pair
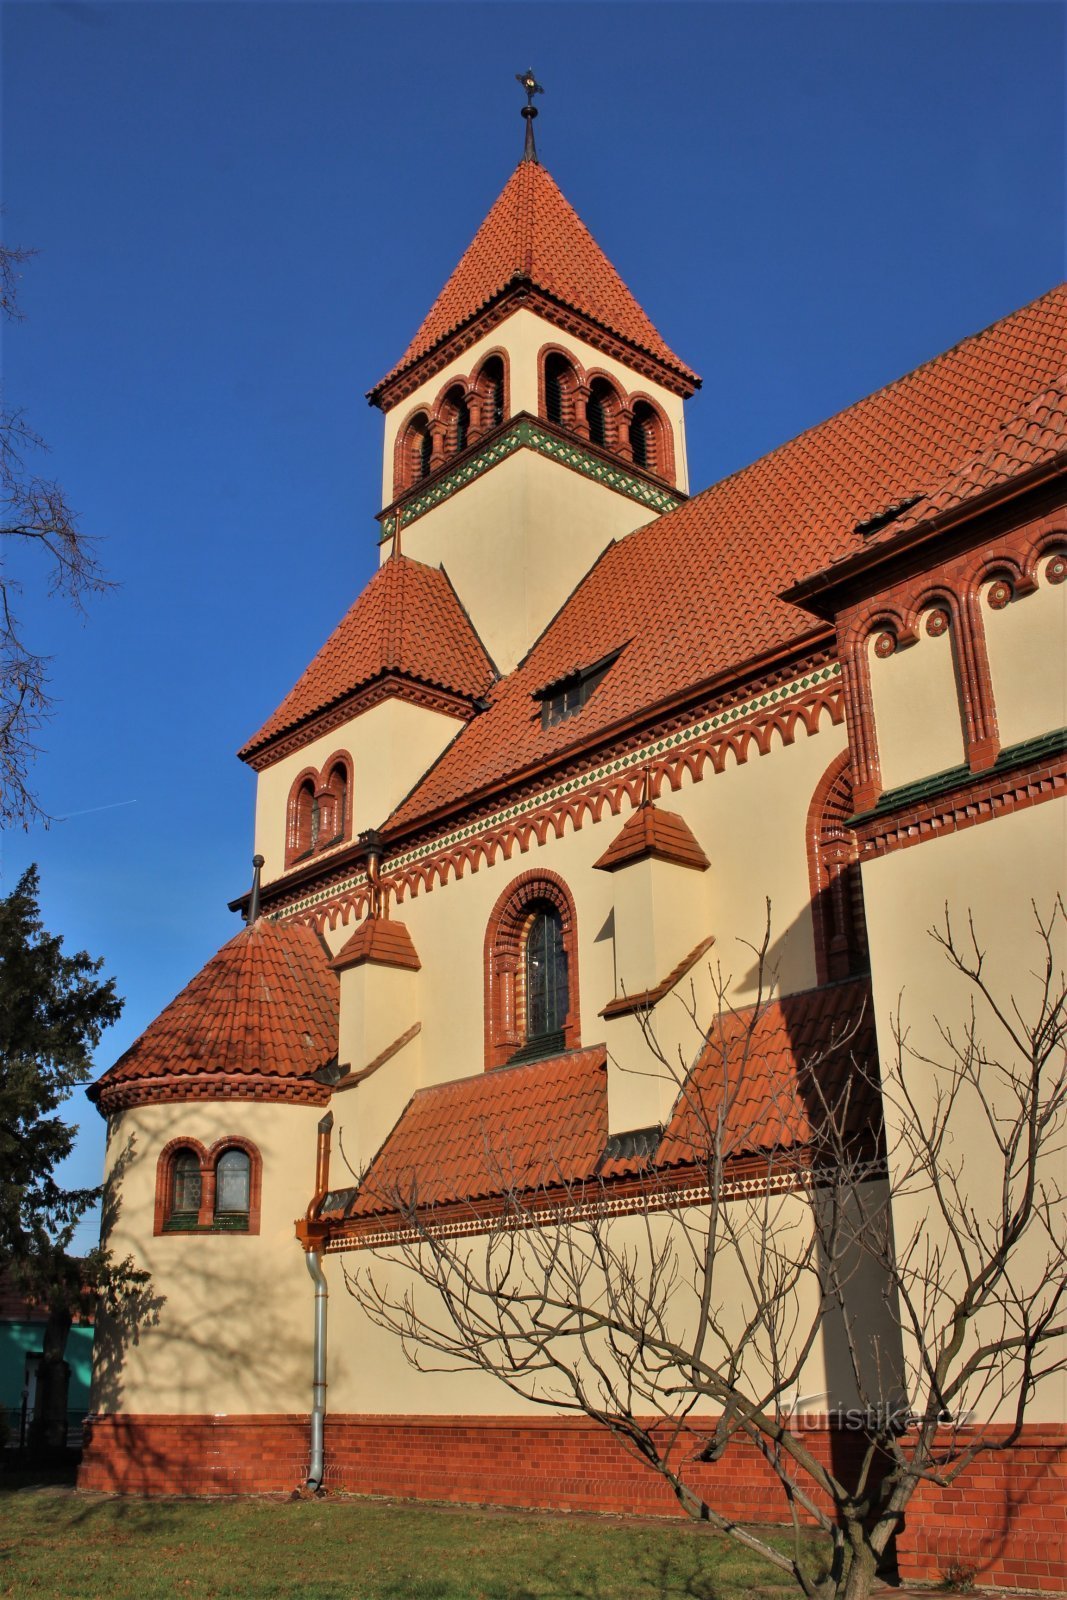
x=318, y=813
x=208, y=1191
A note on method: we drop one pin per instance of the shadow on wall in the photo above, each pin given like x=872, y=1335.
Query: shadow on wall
x=128, y=1309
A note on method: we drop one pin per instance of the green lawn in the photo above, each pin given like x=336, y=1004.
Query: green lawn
x=57, y=1543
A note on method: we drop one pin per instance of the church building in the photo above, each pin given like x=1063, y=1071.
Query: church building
x=522, y=818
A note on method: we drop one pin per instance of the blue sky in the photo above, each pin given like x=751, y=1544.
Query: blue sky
x=242, y=212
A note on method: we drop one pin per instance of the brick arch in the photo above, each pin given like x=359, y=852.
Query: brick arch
x=502, y=957
x=574, y=396
x=165, y=1177
x=837, y=913
x=478, y=391
x=237, y=1141
x=663, y=465
x=406, y=471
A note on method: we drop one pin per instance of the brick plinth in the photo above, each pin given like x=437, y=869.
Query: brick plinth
x=1005, y=1519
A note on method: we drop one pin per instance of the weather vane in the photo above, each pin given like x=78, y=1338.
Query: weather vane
x=529, y=111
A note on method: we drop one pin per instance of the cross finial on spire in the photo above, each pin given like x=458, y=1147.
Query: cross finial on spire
x=529, y=111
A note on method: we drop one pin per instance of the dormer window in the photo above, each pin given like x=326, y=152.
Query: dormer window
x=566, y=696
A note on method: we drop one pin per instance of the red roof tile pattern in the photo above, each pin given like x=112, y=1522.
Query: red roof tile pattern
x=545, y=1124
x=408, y=621
x=262, y=1010
x=769, y=1075
x=540, y=1123
x=1035, y=437
x=648, y=831
x=532, y=234
x=381, y=941
x=696, y=592
x=646, y=999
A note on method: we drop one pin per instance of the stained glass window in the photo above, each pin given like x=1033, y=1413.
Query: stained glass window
x=185, y=1185
x=232, y=1184
x=546, y=975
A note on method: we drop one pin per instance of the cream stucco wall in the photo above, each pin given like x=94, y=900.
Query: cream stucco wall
x=750, y=821
x=369, y=1372
x=917, y=717
x=391, y=745
x=233, y=1325
x=1027, y=646
x=990, y=873
x=520, y=337
x=516, y=541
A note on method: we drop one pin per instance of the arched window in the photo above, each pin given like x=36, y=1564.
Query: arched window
x=531, y=960
x=560, y=384
x=185, y=1182
x=306, y=820
x=644, y=430
x=337, y=804
x=458, y=417
x=414, y=457
x=491, y=382
x=834, y=872
x=233, y=1188
x=600, y=410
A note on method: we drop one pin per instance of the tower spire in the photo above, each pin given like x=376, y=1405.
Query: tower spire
x=529, y=111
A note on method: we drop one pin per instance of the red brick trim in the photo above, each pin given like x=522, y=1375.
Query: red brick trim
x=214, y=1086
x=518, y=297
x=502, y=956
x=975, y=802
x=834, y=878
x=208, y=1159
x=391, y=685
x=1004, y=1517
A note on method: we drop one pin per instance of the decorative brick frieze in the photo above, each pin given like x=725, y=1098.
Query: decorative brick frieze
x=948, y=591
x=684, y=746
x=523, y=432
x=391, y=686
x=949, y=802
x=1003, y=1518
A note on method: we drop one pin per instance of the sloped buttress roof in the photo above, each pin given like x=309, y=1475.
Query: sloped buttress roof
x=257, y=1019
x=544, y=1125
x=408, y=621
x=694, y=595
x=534, y=235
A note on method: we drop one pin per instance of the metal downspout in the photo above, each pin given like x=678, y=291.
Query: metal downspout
x=316, y=1464
x=313, y=1257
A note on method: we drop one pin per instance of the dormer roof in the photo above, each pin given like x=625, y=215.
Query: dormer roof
x=407, y=624
x=533, y=237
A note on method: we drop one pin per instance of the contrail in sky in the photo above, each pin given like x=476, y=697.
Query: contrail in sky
x=91, y=810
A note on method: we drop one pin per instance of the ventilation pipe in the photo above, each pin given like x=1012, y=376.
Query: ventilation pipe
x=317, y=1462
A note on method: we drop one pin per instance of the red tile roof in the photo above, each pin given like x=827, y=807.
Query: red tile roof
x=519, y=1127
x=766, y=1074
x=1035, y=437
x=380, y=940
x=408, y=621
x=544, y=1124
x=533, y=235
x=262, y=1011
x=695, y=594
x=648, y=831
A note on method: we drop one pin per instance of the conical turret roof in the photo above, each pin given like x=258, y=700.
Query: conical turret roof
x=534, y=236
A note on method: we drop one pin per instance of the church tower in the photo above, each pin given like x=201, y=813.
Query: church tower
x=535, y=417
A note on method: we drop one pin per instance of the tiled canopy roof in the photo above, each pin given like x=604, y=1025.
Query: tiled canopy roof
x=261, y=1015
x=543, y=1125
x=694, y=595
x=650, y=831
x=408, y=621
x=534, y=236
